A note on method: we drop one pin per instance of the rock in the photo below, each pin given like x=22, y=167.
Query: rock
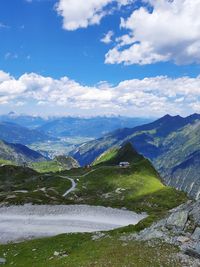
x=193, y=251
x=177, y=220
x=183, y=239
x=195, y=213
x=65, y=255
x=152, y=234
x=196, y=234
x=2, y=261
x=97, y=236
x=56, y=253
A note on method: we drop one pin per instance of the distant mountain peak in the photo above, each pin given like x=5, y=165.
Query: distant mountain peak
x=195, y=116
x=115, y=155
x=168, y=117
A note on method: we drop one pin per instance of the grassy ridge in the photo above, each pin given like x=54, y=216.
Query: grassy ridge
x=47, y=166
x=37, y=188
x=82, y=251
x=138, y=188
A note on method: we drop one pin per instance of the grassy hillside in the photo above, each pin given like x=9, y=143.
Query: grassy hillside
x=47, y=166
x=20, y=185
x=116, y=155
x=136, y=188
x=80, y=250
x=167, y=142
x=6, y=162
x=59, y=163
x=18, y=154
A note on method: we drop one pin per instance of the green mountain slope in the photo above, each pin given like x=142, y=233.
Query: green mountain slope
x=167, y=142
x=136, y=188
x=18, y=153
x=60, y=163
x=83, y=250
x=115, y=155
x=19, y=185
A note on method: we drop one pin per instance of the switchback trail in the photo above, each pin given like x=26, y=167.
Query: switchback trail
x=74, y=184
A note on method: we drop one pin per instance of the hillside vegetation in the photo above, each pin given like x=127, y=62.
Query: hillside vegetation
x=19, y=185
x=170, y=143
x=18, y=154
x=136, y=188
x=88, y=250
x=60, y=163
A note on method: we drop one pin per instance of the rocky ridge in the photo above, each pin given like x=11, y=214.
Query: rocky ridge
x=181, y=227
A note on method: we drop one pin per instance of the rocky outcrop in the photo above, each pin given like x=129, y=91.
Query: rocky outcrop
x=181, y=228
x=67, y=162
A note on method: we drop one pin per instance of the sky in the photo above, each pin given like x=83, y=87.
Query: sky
x=100, y=57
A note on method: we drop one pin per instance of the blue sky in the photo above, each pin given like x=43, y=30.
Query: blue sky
x=57, y=38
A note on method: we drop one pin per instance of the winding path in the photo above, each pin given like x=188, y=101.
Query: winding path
x=74, y=184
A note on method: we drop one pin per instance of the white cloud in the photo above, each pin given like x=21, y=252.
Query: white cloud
x=137, y=97
x=82, y=13
x=168, y=32
x=4, y=76
x=107, y=38
x=10, y=55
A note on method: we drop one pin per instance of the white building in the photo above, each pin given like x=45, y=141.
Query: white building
x=124, y=164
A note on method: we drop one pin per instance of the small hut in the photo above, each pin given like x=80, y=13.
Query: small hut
x=124, y=164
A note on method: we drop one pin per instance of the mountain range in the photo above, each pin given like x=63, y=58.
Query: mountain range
x=19, y=154
x=172, y=143
x=93, y=127
x=60, y=127
x=15, y=133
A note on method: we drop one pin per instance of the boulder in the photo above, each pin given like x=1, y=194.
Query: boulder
x=196, y=234
x=183, y=239
x=56, y=253
x=177, y=220
x=194, y=250
x=195, y=213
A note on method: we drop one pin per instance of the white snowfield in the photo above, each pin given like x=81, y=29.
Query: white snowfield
x=32, y=221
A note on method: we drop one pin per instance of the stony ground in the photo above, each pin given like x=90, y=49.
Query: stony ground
x=181, y=228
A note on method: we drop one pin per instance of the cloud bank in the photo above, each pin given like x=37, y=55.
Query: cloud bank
x=149, y=96
x=156, y=30
x=82, y=13
x=159, y=31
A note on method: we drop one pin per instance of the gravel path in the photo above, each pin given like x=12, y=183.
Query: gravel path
x=25, y=222
x=73, y=185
